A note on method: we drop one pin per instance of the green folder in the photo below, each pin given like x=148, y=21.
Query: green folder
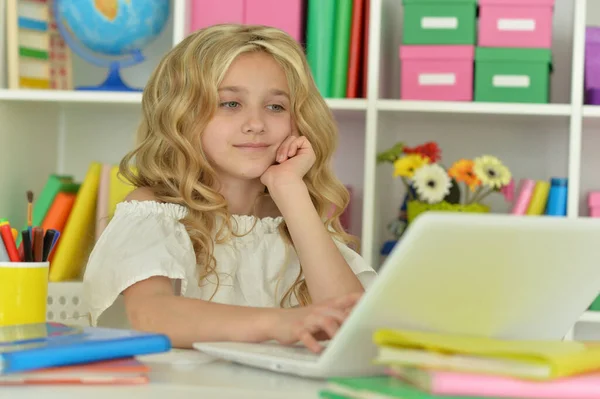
x=341, y=49
x=320, y=42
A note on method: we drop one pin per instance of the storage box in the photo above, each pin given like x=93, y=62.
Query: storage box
x=205, y=13
x=437, y=73
x=592, y=66
x=450, y=22
x=512, y=75
x=285, y=15
x=515, y=23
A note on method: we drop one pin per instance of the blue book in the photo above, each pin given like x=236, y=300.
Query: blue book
x=38, y=346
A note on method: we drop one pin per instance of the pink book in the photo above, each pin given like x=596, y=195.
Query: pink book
x=205, y=13
x=102, y=206
x=285, y=15
x=448, y=383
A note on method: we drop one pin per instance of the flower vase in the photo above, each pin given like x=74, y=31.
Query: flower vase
x=415, y=208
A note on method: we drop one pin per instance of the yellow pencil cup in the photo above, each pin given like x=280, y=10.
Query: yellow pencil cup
x=23, y=292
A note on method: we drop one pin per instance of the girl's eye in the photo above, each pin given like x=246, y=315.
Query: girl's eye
x=230, y=104
x=276, y=108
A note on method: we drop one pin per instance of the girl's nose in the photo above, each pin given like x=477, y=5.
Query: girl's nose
x=254, y=124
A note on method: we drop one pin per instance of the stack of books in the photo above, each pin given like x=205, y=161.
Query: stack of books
x=54, y=353
x=424, y=365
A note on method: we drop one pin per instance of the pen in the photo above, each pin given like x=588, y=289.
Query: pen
x=49, y=241
x=38, y=244
x=27, y=252
x=9, y=242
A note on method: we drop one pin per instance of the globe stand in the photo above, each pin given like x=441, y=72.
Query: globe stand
x=113, y=81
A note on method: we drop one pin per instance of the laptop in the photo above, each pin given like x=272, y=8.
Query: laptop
x=500, y=276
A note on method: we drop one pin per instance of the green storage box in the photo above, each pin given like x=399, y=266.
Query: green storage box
x=595, y=306
x=516, y=75
x=440, y=22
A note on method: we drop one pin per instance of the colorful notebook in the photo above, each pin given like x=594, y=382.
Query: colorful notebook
x=447, y=383
x=540, y=360
x=39, y=346
x=107, y=372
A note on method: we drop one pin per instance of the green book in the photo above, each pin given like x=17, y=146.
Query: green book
x=320, y=30
x=341, y=49
x=379, y=387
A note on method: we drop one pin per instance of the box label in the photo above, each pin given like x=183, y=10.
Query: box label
x=437, y=79
x=511, y=81
x=516, y=25
x=439, y=23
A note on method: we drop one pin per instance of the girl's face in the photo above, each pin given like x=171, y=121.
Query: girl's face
x=252, y=120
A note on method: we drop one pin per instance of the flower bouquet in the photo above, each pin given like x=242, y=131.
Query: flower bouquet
x=460, y=188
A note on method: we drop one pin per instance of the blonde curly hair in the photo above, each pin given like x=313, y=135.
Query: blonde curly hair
x=180, y=99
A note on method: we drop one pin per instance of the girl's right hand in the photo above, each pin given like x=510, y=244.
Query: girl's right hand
x=313, y=323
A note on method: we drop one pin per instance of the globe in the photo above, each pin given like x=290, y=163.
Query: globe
x=110, y=33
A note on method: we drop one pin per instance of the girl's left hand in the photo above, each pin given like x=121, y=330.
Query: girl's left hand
x=294, y=158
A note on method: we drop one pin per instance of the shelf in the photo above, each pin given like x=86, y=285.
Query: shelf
x=474, y=107
x=591, y=111
x=96, y=97
x=68, y=96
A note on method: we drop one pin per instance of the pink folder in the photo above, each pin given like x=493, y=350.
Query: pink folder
x=205, y=13
x=285, y=15
x=448, y=383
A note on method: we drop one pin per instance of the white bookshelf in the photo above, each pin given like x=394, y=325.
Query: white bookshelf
x=54, y=131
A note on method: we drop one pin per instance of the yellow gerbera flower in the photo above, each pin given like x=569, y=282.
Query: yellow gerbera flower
x=491, y=171
x=406, y=166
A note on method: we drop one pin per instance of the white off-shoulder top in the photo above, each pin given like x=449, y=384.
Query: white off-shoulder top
x=146, y=238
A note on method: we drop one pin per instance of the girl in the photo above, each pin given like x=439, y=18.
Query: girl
x=233, y=231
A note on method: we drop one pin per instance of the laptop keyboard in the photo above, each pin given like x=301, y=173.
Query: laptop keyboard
x=296, y=352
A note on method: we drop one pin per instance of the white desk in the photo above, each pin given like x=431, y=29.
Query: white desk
x=196, y=378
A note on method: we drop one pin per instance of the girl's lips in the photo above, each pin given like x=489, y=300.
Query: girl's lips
x=252, y=146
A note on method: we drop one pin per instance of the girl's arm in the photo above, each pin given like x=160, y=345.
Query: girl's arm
x=152, y=306
x=326, y=272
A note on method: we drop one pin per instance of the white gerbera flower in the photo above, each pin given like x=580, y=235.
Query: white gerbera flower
x=491, y=171
x=432, y=183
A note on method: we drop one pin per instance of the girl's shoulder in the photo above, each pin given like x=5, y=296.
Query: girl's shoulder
x=142, y=202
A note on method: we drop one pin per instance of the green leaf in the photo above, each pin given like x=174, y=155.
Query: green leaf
x=391, y=155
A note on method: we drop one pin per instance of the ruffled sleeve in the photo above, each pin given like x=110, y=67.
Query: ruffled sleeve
x=143, y=239
x=365, y=273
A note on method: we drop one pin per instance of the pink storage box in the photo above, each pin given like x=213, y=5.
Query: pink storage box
x=437, y=73
x=515, y=23
x=594, y=204
x=205, y=13
x=285, y=15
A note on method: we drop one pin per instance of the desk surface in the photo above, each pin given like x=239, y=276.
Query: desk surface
x=185, y=374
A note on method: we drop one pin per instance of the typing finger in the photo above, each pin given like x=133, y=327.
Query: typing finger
x=307, y=338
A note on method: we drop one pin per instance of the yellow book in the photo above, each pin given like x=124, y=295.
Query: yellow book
x=540, y=360
x=537, y=204
x=77, y=237
x=119, y=189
